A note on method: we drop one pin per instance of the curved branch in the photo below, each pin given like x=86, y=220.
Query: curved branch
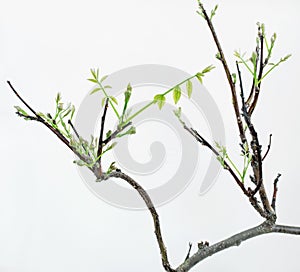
x=142, y=192
x=236, y=240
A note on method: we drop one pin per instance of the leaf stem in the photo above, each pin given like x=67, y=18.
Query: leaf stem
x=152, y=102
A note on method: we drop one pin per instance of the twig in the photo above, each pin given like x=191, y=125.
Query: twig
x=189, y=251
x=268, y=148
x=74, y=129
x=100, y=143
x=142, y=192
x=275, y=192
x=256, y=161
x=261, y=68
x=228, y=74
x=115, y=133
x=55, y=131
x=201, y=140
x=250, y=97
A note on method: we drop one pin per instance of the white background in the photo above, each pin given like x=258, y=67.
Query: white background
x=50, y=221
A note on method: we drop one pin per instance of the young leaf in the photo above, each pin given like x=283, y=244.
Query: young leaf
x=189, y=88
x=92, y=80
x=58, y=98
x=160, y=100
x=176, y=94
x=103, y=78
x=21, y=111
x=199, y=76
x=208, y=69
x=95, y=90
x=178, y=113
x=113, y=99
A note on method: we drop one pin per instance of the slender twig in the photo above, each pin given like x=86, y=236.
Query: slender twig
x=53, y=130
x=235, y=240
x=250, y=97
x=227, y=72
x=115, y=133
x=100, y=143
x=268, y=148
x=261, y=68
x=74, y=129
x=142, y=192
x=204, y=142
x=274, y=198
x=189, y=251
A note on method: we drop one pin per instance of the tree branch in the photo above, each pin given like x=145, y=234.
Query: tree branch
x=235, y=240
x=274, y=198
x=227, y=72
x=100, y=143
x=268, y=148
x=256, y=161
x=53, y=130
x=144, y=195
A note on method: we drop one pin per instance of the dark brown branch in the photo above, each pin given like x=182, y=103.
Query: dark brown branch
x=227, y=72
x=236, y=240
x=74, y=129
x=189, y=251
x=100, y=143
x=250, y=97
x=115, y=133
x=268, y=148
x=23, y=101
x=261, y=68
x=144, y=195
x=202, y=141
x=274, y=198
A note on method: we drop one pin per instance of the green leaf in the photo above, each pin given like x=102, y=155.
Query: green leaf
x=130, y=131
x=108, y=133
x=72, y=112
x=93, y=80
x=94, y=74
x=107, y=87
x=113, y=99
x=189, y=88
x=103, y=78
x=160, y=100
x=234, y=78
x=208, y=69
x=103, y=101
x=199, y=76
x=176, y=94
x=213, y=12
x=178, y=113
x=95, y=90
x=20, y=110
x=110, y=147
x=58, y=98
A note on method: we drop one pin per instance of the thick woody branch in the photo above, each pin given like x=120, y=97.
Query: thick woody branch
x=256, y=161
x=236, y=240
x=144, y=195
x=227, y=72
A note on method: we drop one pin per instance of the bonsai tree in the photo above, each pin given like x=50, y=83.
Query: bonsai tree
x=250, y=179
